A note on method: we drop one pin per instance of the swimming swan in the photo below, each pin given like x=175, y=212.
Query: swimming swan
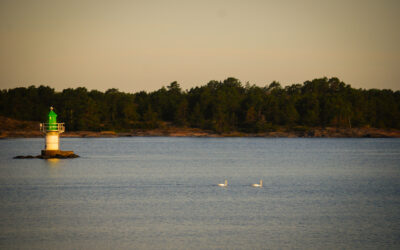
x=257, y=185
x=223, y=184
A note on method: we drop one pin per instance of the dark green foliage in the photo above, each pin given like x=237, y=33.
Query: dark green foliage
x=219, y=106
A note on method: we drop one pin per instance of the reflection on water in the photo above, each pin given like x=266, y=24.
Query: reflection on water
x=53, y=162
x=53, y=166
x=147, y=193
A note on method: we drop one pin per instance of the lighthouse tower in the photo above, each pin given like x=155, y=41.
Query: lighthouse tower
x=52, y=130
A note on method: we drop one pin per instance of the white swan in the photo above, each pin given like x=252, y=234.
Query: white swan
x=223, y=184
x=257, y=185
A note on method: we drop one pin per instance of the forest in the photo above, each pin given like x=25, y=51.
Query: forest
x=219, y=106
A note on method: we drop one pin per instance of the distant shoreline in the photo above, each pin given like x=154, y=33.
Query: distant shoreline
x=193, y=132
x=11, y=128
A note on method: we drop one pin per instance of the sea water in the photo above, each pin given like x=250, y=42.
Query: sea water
x=162, y=193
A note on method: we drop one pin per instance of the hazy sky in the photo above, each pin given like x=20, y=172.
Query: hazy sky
x=143, y=45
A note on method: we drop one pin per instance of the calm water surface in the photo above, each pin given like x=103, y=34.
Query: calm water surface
x=161, y=193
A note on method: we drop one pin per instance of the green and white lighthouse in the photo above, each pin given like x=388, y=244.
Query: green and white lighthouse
x=52, y=130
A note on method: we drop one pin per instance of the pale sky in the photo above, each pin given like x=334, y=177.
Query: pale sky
x=144, y=45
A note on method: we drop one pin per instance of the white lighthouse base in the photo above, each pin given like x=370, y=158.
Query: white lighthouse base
x=52, y=141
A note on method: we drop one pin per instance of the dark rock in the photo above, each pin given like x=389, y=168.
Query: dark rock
x=43, y=157
x=24, y=157
x=58, y=156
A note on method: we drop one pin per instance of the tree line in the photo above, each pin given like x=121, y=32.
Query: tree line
x=220, y=106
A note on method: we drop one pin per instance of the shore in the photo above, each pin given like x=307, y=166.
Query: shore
x=193, y=132
x=10, y=128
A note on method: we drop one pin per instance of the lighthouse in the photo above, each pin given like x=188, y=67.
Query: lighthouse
x=52, y=130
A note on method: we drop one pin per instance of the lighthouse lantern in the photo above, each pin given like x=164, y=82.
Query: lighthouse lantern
x=52, y=120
